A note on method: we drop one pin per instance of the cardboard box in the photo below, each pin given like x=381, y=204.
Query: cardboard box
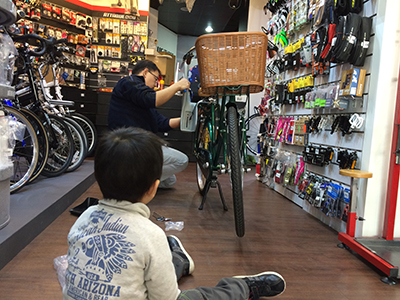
x=160, y=61
x=170, y=74
x=352, y=82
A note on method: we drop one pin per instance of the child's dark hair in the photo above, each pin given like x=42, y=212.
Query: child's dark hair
x=145, y=64
x=127, y=163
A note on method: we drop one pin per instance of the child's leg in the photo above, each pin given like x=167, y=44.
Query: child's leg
x=266, y=284
x=227, y=288
x=174, y=162
x=182, y=261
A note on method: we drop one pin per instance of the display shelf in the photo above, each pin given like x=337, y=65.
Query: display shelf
x=31, y=213
x=8, y=13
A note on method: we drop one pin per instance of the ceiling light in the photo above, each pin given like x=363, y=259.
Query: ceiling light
x=209, y=29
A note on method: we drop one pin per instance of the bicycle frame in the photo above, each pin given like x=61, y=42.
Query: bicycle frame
x=213, y=113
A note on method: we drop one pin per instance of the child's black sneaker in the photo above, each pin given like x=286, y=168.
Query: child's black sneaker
x=266, y=284
x=176, y=246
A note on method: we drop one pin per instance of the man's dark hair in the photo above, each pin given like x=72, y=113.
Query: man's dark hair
x=145, y=64
x=127, y=162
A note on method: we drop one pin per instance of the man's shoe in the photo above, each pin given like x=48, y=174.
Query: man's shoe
x=266, y=284
x=176, y=246
x=167, y=183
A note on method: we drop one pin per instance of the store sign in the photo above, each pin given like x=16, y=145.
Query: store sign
x=134, y=7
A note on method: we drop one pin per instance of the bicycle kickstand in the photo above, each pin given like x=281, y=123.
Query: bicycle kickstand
x=213, y=183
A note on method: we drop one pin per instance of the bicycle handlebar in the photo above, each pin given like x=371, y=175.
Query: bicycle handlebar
x=24, y=38
x=45, y=44
x=189, y=55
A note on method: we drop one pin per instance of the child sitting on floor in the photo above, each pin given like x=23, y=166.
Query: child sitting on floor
x=116, y=252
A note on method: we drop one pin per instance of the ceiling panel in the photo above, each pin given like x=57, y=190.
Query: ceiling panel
x=215, y=13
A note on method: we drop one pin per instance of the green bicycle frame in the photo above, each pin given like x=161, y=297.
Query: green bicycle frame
x=214, y=117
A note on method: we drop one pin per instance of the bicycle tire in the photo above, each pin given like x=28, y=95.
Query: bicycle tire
x=252, y=130
x=89, y=129
x=43, y=142
x=25, y=153
x=61, y=149
x=201, y=180
x=236, y=170
x=203, y=156
x=80, y=144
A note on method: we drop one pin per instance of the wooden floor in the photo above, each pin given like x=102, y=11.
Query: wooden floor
x=279, y=237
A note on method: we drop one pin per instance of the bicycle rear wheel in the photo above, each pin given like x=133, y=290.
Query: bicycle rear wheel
x=80, y=144
x=61, y=147
x=89, y=129
x=236, y=169
x=203, y=156
x=252, y=130
x=26, y=150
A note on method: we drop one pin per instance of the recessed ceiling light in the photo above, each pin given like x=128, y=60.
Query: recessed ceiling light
x=209, y=29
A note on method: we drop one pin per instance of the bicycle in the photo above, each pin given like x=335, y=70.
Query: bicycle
x=220, y=133
x=60, y=140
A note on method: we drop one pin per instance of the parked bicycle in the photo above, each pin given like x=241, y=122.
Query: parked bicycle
x=232, y=66
x=57, y=140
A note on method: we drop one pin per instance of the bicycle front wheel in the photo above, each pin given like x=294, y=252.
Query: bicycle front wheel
x=42, y=139
x=89, y=129
x=235, y=157
x=80, y=144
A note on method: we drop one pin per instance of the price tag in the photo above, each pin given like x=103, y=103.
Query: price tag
x=240, y=98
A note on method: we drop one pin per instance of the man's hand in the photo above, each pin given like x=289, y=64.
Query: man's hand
x=183, y=84
x=166, y=94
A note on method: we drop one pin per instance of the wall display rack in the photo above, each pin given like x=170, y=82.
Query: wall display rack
x=316, y=93
x=353, y=74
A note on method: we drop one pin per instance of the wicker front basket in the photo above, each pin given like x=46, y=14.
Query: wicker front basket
x=232, y=59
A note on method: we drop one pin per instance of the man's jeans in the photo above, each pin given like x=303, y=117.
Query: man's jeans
x=174, y=162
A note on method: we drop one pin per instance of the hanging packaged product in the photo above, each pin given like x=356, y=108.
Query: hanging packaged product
x=80, y=50
x=115, y=66
x=107, y=51
x=66, y=15
x=73, y=18
x=116, y=52
x=81, y=21
x=8, y=55
x=116, y=38
x=82, y=85
x=109, y=38
x=115, y=27
x=82, y=39
x=35, y=14
x=352, y=82
x=56, y=13
x=93, y=54
x=46, y=10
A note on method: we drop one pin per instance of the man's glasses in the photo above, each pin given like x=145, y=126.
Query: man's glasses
x=156, y=77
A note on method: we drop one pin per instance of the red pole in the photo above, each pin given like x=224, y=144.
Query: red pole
x=394, y=174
